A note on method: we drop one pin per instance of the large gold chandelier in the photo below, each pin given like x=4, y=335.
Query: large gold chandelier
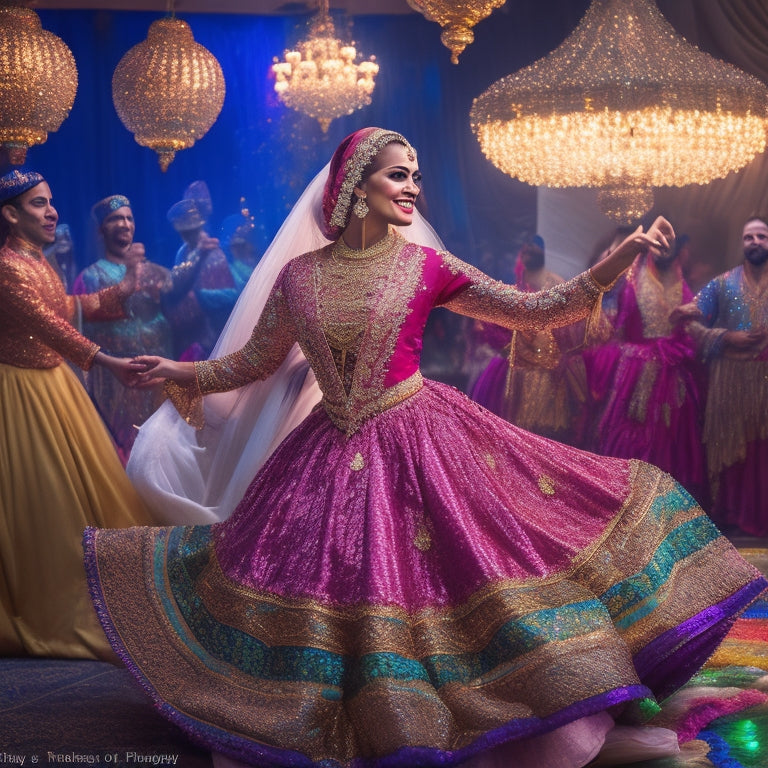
x=38, y=81
x=168, y=90
x=320, y=78
x=625, y=104
x=456, y=19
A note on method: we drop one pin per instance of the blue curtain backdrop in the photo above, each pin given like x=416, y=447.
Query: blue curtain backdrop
x=266, y=152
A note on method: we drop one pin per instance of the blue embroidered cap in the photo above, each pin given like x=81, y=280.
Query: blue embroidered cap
x=104, y=207
x=16, y=182
x=185, y=215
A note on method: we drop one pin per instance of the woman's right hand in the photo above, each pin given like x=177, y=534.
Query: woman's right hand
x=151, y=369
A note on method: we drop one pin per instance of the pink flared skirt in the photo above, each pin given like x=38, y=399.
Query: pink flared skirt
x=437, y=585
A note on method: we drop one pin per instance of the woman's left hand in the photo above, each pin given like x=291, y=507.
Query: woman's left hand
x=660, y=235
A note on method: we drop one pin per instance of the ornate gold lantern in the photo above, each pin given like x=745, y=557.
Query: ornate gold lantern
x=625, y=104
x=320, y=78
x=168, y=90
x=38, y=82
x=456, y=19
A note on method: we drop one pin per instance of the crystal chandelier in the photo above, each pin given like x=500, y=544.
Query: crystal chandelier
x=625, y=104
x=321, y=78
x=38, y=82
x=168, y=90
x=456, y=19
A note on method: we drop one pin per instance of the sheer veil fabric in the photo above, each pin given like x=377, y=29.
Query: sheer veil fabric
x=198, y=477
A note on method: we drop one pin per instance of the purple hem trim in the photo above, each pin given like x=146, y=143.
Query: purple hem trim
x=213, y=738
x=239, y=748
x=659, y=664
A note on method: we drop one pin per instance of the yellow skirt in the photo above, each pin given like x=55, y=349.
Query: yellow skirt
x=59, y=472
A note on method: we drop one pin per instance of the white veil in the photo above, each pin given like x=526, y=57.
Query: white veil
x=188, y=476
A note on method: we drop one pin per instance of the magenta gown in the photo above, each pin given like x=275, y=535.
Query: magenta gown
x=409, y=579
x=649, y=382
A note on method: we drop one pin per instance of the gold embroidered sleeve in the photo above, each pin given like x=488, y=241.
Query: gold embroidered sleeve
x=107, y=304
x=28, y=306
x=270, y=342
x=709, y=341
x=493, y=301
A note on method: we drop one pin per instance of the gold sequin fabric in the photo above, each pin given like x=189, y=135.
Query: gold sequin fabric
x=494, y=301
x=657, y=296
x=35, y=312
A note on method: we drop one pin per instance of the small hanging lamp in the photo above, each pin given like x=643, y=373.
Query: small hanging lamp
x=456, y=19
x=321, y=78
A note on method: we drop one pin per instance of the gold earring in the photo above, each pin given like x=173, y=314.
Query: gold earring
x=360, y=208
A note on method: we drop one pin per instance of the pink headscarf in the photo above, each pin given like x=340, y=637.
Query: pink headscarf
x=348, y=164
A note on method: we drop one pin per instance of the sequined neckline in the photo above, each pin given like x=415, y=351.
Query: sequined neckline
x=341, y=251
x=23, y=248
x=752, y=286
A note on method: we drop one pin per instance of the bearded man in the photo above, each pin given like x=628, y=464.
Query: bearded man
x=144, y=329
x=730, y=327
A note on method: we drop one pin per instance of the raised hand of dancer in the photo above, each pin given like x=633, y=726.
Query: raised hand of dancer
x=149, y=370
x=660, y=235
x=206, y=244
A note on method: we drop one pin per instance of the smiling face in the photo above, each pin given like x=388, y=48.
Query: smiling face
x=392, y=185
x=32, y=217
x=118, y=229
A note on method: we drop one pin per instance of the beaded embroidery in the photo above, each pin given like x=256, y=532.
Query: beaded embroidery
x=35, y=312
x=361, y=158
x=348, y=313
x=547, y=485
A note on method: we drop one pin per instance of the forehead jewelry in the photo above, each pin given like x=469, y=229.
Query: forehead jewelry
x=354, y=167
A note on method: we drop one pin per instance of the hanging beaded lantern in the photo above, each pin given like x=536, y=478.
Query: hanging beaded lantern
x=168, y=90
x=38, y=82
x=322, y=78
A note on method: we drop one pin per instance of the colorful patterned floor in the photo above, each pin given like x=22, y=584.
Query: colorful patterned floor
x=721, y=716
x=90, y=712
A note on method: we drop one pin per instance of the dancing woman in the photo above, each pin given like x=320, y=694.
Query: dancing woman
x=408, y=579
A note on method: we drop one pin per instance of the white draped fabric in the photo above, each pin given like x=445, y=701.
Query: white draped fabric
x=188, y=476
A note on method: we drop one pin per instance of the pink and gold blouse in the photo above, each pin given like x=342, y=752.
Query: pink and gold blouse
x=359, y=320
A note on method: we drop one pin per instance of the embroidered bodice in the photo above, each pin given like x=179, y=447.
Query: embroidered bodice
x=36, y=312
x=656, y=297
x=731, y=301
x=359, y=321
x=646, y=303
